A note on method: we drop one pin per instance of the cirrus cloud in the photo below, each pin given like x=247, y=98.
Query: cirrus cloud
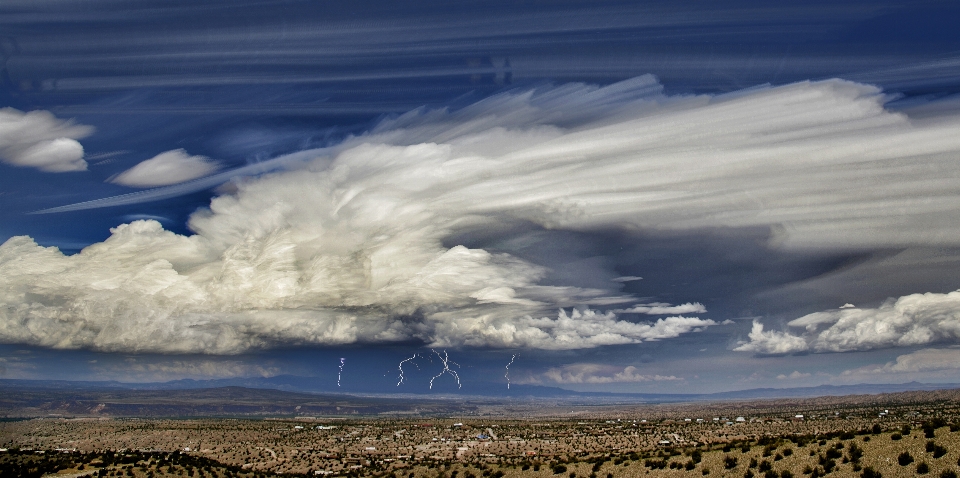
x=600, y=373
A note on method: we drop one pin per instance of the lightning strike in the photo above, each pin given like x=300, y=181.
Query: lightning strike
x=400, y=367
x=446, y=368
x=507, y=375
x=340, y=373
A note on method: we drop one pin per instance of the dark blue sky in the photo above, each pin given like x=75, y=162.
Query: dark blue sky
x=686, y=182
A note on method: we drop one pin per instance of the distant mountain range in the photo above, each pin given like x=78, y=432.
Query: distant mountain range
x=313, y=385
x=291, y=396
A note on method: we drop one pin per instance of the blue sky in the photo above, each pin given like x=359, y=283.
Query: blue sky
x=632, y=196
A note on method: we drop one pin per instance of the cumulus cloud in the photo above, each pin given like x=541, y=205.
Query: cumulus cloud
x=920, y=361
x=353, y=245
x=915, y=319
x=149, y=290
x=37, y=139
x=771, y=342
x=598, y=373
x=167, y=168
x=795, y=375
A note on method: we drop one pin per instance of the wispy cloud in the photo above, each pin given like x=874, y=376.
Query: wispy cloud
x=601, y=373
x=945, y=361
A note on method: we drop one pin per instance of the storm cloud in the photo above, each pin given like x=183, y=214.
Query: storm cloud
x=348, y=245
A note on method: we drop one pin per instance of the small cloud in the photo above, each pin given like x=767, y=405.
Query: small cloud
x=793, y=376
x=171, y=167
x=37, y=139
x=627, y=279
x=848, y=306
x=727, y=322
x=772, y=342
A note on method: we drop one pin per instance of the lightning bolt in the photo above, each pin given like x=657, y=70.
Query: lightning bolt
x=400, y=367
x=446, y=368
x=340, y=373
x=507, y=375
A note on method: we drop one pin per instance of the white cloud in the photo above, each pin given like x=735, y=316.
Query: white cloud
x=350, y=248
x=795, y=375
x=821, y=163
x=661, y=309
x=37, y=139
x=627, y=279
x=771, y=342
x=598, y=373
x=146, y=289
x=171, y=167
x=915, y=319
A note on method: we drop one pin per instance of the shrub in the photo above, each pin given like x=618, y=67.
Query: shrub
x=876, y=429
x=729, y=462
x=856, y=453
x=786, y=474
x=771, y=474
x=787, y=452
x=869, y=472
x=948, y=474
x=559, y=468
x=939, y=451
x=896, y=436
x=655, y=464
x=923, y=468
x=748, y=474
x=906, y=430
x=689, y=466
x=905, y=459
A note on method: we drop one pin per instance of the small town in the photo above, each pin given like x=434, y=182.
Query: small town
x=901, y=439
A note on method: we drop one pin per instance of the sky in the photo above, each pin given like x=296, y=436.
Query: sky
x=669, y=197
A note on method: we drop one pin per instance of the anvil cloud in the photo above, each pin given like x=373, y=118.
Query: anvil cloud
x=353, y=246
